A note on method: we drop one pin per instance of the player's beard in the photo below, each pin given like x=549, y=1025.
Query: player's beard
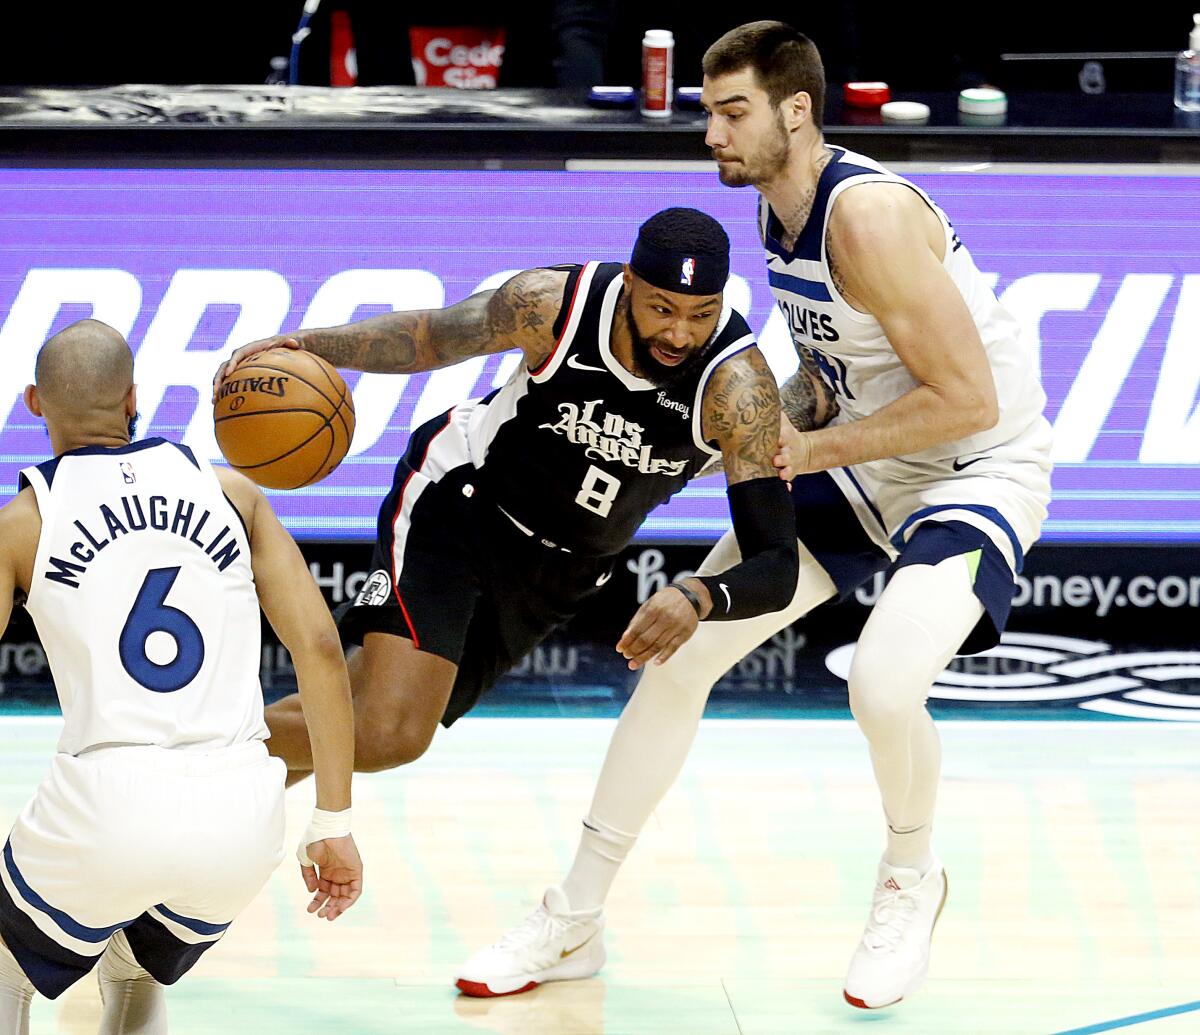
x=764, y=165
x=658, y=374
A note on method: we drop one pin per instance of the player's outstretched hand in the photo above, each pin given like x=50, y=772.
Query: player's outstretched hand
x=278, y=341
x=662, y=625
x=335, y=879
x=795, y=452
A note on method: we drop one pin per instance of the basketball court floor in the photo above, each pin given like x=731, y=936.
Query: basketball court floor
x=1072, y=849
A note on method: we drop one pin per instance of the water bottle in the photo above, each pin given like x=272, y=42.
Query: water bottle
x=1187, y=71
x=658, y=79
x=279, y=71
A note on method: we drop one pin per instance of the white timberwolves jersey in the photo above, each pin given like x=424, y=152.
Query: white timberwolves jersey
x=143, y=596
x=852, y=352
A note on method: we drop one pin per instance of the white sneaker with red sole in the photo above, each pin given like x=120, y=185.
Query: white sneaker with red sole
x=551, y=944
x=893, y=957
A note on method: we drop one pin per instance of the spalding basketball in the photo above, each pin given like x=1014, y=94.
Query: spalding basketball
x=284, y=418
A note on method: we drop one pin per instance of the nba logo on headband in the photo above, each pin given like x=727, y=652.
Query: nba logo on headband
x=688, y=272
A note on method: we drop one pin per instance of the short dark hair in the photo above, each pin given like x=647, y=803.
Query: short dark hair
x=784, y=60
x=686, y=229
x=682, y=250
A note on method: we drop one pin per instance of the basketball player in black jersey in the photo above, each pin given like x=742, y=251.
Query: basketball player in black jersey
x=507, y=512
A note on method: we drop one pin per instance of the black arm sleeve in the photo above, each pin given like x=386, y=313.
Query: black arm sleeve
x=765, y=525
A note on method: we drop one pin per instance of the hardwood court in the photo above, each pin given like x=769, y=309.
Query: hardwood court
x=1073, y=851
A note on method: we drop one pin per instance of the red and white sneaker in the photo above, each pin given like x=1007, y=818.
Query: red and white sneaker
x=551, y=944
x=893, y=957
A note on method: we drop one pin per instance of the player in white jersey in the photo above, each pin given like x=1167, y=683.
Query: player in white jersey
x=162, y=815
x=936, y=467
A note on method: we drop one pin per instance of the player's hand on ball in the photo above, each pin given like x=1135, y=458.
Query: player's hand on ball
x=335, y=879
x=662, y=625
x=795, y=452
x=278, y=341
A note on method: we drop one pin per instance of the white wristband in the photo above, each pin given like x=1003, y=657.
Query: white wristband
x=322, y=825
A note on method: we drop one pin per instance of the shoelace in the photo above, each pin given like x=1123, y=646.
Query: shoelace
x=530, y=928
x=891, y=913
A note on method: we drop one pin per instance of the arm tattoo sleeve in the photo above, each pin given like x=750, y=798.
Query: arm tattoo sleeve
x=741, y=413
x=807, y=400
x=518, y=314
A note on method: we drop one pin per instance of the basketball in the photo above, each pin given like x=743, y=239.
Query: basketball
x=284, y=418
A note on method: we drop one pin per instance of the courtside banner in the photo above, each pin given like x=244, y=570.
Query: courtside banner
x=1102, y=271
x=1094, y=633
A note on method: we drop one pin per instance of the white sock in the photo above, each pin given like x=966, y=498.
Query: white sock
x=921, y=620
x=601, y=852
x=16, y=992
x=910, y=849
x=658, y=725
x=134, y=1003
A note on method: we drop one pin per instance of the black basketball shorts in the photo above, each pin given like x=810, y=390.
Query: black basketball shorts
x=454, y=574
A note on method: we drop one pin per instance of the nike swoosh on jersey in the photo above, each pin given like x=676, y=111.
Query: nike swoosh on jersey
x=959, y=466
x=570, y=952
x=728, y=602
x=604, y=578
x=573, y=361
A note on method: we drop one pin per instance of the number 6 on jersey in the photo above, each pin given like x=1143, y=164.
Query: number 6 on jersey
x=150, y=614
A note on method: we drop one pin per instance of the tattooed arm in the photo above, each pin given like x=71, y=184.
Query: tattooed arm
x=740, y=413
x=808, y=402
x=519, y=314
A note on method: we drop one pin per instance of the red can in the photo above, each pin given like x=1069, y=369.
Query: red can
x=658, y=73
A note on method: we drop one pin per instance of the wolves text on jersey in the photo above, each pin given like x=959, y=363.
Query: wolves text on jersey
x=156, y=514
x=609, y=436
x=808, y=323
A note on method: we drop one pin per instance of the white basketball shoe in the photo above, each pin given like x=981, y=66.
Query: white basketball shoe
x=893, y=957
x=551, y=944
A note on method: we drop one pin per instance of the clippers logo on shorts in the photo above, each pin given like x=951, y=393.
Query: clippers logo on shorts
x=375, y=590
x=688, y=272
x=609, y=436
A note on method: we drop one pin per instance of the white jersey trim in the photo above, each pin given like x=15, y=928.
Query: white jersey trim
x=577, y=305
x=742, y=343
x=608, y=309
x=484, y=420
x=857, y=315
x=443, y=454
x=41, y=493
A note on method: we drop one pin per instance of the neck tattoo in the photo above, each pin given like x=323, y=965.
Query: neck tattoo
x=794, y=218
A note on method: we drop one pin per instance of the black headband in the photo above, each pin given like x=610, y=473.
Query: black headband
x=688, y=273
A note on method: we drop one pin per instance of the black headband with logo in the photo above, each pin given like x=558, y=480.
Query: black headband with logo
x=671, y=269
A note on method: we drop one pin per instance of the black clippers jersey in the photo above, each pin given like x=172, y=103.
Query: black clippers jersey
x=580, y=450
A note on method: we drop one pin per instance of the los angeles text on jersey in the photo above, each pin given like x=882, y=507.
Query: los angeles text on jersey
x=609, y=436
x=131, y=514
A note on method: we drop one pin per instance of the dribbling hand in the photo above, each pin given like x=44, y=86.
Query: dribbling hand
x=335, y=879
x=278, y=341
